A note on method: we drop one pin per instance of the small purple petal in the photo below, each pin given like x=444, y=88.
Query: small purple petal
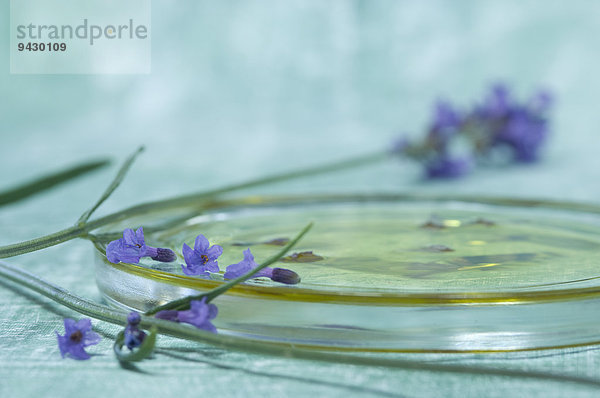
x=129, y=236
x=117, y=251
x=211, y=266
x=139, y=236
x=91, y=338
x=188, y=254
x=201, y=244
x=70, y=325
x=129, y=258
x=62, y=344
x=199, y=315
x=112, y=251
x=84, y=324
x=249, y=257
x=236, y=270
x=193, y=270
x=77, y=352
x=214, y=252
x=208, y=326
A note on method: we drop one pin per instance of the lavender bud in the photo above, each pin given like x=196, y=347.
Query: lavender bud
x=286, y=276
x=133, y=318
x=164, y=255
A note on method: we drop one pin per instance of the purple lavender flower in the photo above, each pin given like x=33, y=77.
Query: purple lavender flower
x=496, y=123
x=133, y=336
x=200, y=314
x=281, y=275
x=522, y=128
x=202, y=259
x=447, y=167
x=131, y=247
x=78, y=335
x=524, y=133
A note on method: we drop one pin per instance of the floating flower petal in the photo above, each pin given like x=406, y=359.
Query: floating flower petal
x=132, y=246
x=202, y=259
x=281, y=275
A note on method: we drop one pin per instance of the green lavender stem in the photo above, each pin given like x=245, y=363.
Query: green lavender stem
x=119, y=317
x=46, y=182
x=111, y=188
x=83, y=228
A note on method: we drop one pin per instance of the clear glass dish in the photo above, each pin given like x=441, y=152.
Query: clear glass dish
x=396, y=273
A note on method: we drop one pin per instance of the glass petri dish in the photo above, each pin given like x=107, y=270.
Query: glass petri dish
x=388, y=273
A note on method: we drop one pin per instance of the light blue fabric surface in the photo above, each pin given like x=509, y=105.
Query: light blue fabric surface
x=242, y=89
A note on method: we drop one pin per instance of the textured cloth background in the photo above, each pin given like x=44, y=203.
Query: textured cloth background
x=241, y=89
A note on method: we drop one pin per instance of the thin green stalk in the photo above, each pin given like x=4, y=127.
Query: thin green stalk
x=82, y=230
x=184, y=302
x=46, y=182
x=119, y=317
x=43, y=242
x=199, y=196
x=113, y=185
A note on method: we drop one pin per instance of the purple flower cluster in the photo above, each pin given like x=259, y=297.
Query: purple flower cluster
x=499, y=124
x=202, y=260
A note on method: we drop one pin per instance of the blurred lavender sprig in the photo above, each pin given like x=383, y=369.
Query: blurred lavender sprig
x=497, y=129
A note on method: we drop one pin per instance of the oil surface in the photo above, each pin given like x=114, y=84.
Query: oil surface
x=406, y=247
